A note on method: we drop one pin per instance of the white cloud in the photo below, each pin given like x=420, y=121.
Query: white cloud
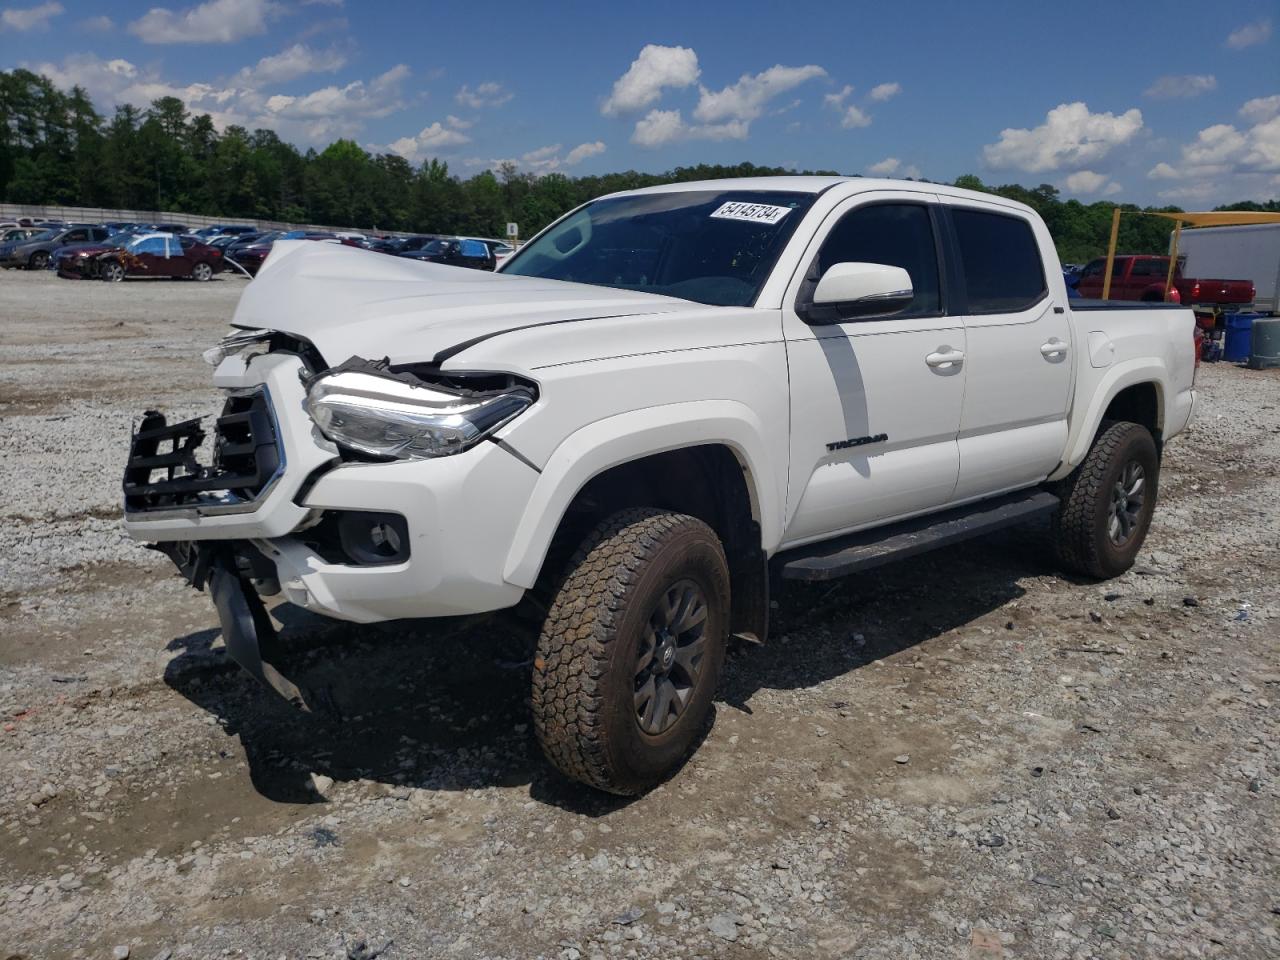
x=337, y=110
x=215, y=21
x=1183, y=85
x=836, y=100
x=584, y=151
x=1214, y=145
x=885, y=168
x=289, y=64
x=656, y=68
x=883, y=92
x=1225, y=162
x=1250, y=35
x=23, y=19
x=660, y=127
x=316, y=117
x=97, y=24
x=546, y=159
x=854, y=117
x=1071, y=136
x=745, y=100
x=458, y=123
x=1084, y=182
x=488, y=94
x=431, y=139
x=1261, y=108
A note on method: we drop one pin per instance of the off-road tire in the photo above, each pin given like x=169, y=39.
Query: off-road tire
x=38, y=260
x=583, y=701
x=1080, y=526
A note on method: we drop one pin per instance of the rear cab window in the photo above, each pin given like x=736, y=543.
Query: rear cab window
x=1001, y=268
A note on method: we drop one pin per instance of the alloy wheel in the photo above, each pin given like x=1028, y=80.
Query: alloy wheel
x=669, y=660
x=1127, y=497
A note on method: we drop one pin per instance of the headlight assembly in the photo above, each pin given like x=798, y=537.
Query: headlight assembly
x=388, y=416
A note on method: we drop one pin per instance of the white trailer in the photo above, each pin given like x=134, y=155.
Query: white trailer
x=1247, y=253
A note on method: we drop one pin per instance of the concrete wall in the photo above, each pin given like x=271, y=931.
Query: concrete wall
x=12, y=211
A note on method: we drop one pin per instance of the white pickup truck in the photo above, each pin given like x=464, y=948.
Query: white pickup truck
x=663, y=401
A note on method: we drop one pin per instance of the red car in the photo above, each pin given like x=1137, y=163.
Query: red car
x=1143, y=278
x=148, y=255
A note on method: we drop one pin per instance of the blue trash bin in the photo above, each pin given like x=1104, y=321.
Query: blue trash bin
x=1239, y=337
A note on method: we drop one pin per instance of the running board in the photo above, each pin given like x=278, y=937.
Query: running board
x=871, y=548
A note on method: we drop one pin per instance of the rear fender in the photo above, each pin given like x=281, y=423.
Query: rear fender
x=1114, y=379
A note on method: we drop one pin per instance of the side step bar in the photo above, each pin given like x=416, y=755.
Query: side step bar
x=872, y=548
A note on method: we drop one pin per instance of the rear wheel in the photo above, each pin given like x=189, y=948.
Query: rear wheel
x=113, y=271
x=39, y=260
x=201, y=271
x=1108, y=501
x=631, y=650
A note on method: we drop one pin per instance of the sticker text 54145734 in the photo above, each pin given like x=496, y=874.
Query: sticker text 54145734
x=750, y=212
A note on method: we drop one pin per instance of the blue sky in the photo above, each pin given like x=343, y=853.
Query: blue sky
x=1179, y=102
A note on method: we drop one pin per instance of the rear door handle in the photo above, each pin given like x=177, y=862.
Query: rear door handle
x=944, y=357
x=1053, y=348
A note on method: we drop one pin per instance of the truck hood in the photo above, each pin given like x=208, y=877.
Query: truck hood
x=352, y=302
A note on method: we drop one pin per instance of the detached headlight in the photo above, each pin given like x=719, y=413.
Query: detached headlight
x=386, y=417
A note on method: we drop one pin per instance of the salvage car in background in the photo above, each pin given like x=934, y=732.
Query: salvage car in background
x=34, y=253
x=455, y=252
x=149, y=255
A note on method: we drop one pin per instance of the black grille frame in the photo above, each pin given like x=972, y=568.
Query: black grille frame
x=247, y=457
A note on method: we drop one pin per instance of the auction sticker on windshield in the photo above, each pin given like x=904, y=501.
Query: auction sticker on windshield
x=750, y=212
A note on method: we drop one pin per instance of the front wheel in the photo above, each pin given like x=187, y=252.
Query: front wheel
x=39, y=260
x=631, y=650
x=112, y=271
x=201, y=272
x=1108, y=501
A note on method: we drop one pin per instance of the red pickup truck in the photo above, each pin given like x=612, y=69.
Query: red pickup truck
x=1143, y=278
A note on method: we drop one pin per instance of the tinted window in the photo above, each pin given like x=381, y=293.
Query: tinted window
x=896, y=234
x=75, y=236
x=1000, y=261
x=1149, y=268
x=714, y=247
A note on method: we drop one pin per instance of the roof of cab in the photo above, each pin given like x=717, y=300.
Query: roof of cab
x=815, y=185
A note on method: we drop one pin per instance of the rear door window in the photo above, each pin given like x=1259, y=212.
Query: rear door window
x=1000, y=261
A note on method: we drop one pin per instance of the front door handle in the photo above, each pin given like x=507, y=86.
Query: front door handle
x=1054, y=348
x=944, y=357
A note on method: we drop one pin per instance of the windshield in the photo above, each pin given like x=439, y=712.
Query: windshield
x=714, y=247
x=435, y=246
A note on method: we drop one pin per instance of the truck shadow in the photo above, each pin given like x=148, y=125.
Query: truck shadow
x=443, y=704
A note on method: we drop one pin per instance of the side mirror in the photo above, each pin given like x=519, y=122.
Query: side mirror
x=850, y=291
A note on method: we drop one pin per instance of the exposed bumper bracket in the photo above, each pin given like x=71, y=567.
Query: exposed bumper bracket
x=246, y=627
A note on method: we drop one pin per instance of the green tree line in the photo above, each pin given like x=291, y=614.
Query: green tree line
x=56, y=148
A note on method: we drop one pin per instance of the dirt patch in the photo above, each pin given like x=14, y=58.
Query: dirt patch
x=962, y=755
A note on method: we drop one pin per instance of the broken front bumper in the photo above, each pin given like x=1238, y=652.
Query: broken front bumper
x=212, y=504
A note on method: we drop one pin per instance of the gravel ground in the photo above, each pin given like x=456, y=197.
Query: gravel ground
x=965, y=755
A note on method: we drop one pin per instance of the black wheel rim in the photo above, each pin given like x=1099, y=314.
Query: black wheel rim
x=1127, y=498
x=669, y=659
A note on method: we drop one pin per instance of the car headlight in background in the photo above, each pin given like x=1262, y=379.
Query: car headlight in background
x=386, y=417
